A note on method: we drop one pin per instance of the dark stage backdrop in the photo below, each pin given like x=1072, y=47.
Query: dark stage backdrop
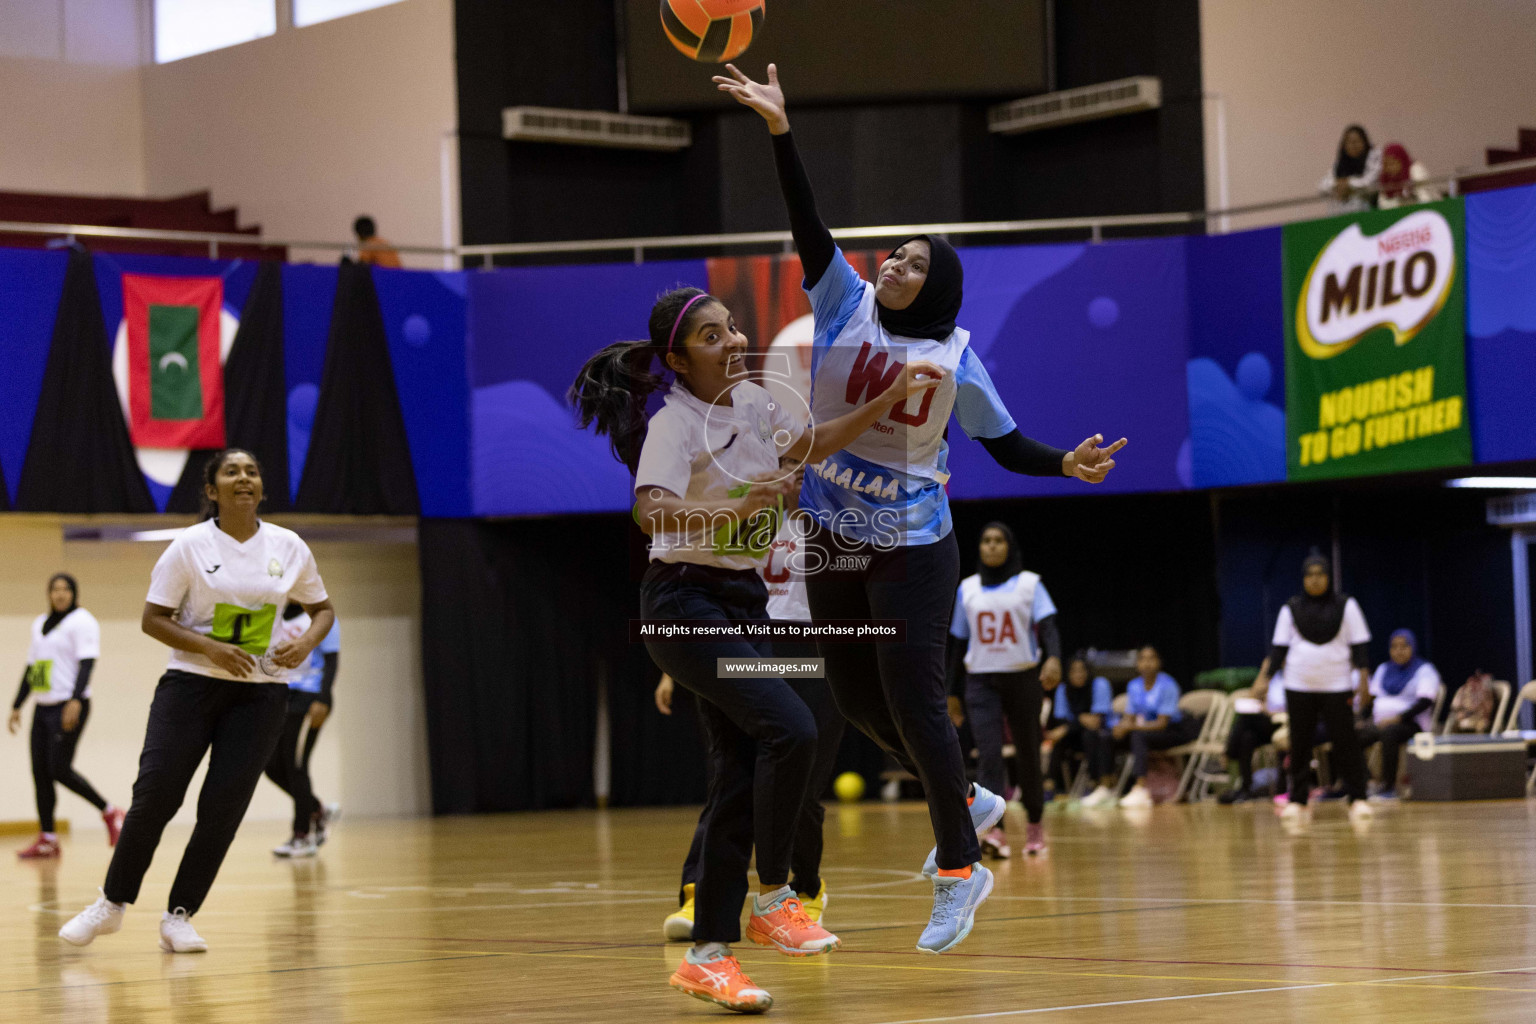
x=909, y=159
x=524, y=620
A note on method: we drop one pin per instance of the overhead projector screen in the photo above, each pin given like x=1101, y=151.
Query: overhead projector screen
x=847, y=51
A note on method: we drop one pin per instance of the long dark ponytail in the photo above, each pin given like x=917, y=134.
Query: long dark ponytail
x=612, y=387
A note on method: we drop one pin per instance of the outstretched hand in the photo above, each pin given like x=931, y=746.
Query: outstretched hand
x=1089, y=462
x=767, y=100
x=916, y=377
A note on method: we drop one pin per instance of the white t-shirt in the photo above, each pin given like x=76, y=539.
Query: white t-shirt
x=783, y=572
x=53, y=661
x=234, y=592
x=1000, y=622
x=1425, y=685
x=1321, y=668
x=703, y=453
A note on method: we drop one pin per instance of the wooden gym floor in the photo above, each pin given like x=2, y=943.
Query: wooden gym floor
x=1178, y=914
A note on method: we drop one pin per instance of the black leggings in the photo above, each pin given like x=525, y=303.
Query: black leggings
x=1096, y=745
x=990, y=698
x=1391, y=738
x=805, y=855
x=1249, y=733
x=289, y=766
x=1333, y=711
x=761, y=739
x=894, y=693
x=53, y=754
x=191, y=713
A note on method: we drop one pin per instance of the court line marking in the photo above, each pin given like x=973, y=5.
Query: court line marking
x=995, y=1014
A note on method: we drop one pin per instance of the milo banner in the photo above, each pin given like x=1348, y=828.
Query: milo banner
x=1375, y=363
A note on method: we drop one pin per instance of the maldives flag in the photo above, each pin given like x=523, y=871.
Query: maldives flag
x=175, y=380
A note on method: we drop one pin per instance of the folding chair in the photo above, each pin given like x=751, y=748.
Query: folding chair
x=1512, y=726
x=1214, y=707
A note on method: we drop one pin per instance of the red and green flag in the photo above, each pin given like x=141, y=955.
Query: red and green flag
x=175, y=379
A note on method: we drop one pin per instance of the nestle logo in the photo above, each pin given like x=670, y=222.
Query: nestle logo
x=1390, y=244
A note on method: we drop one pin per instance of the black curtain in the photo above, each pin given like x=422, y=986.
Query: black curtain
x=359, y=462
x=80, y=457
x=255, y=398
x=521, y=622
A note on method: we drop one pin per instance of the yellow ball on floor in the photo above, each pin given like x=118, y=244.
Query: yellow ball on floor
x=849, y=787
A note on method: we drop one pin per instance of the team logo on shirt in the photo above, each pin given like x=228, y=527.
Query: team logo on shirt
x=275, y=568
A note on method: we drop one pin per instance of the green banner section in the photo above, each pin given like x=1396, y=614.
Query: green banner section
x=175, y=381
x=1375, y=343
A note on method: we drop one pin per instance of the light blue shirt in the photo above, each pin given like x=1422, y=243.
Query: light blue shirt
x=312, y=672
x=889, y=483
x=1161, y=699
x=1103, y=699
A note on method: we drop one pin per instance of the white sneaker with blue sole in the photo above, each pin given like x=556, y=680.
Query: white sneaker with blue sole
x=987, y=809
x=954, y=909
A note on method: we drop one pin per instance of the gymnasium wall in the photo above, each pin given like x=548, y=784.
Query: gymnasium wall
x=73, y=119
x=915, y=161
x=1420, y=72
x=308, y=128
x=372, y=756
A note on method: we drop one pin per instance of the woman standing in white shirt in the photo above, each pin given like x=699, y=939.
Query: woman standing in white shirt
x=1320, y=644
x=706, y=464
x=66, y=641
x=215, y=596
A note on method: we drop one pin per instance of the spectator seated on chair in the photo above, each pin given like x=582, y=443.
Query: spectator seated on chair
x=1472, y=707
x=1079, y=723
x=1401, y=697
x=1254, y=725
x=1152, y=721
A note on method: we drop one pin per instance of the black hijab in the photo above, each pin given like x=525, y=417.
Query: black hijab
x=56, y=617
x=932, y=314
x=1012, y=565
x=1318, y=619
x=1346, y=166
x=1079, y=698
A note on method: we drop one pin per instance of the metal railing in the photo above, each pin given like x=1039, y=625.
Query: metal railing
x=1210, y=220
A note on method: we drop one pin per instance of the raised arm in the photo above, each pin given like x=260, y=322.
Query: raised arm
x=812, y=238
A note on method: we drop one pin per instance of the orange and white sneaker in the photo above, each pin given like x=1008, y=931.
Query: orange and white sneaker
x=720, y=981
x=787, y=927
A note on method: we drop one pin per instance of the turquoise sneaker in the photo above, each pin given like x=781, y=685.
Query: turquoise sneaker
x=954, y=909
x=987, y=809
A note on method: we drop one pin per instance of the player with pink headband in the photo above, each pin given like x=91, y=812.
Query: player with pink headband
x=709, y=491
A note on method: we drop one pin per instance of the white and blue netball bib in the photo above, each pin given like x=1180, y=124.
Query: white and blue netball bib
x=887, y=487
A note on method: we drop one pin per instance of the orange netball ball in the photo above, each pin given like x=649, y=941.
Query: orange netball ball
x=711, y=31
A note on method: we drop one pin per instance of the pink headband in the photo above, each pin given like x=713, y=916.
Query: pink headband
x=679, y=321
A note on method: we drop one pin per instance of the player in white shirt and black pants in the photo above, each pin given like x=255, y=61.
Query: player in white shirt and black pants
x=783, y=574
x=1402, y=699
x=215, y=597
x=705, y=466
x=1320, y=645
x=998, y=613
x=883, y=525
x=66, y=641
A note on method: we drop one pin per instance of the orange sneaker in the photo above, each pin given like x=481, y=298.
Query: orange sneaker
x=790, y=930
x=721, y=982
